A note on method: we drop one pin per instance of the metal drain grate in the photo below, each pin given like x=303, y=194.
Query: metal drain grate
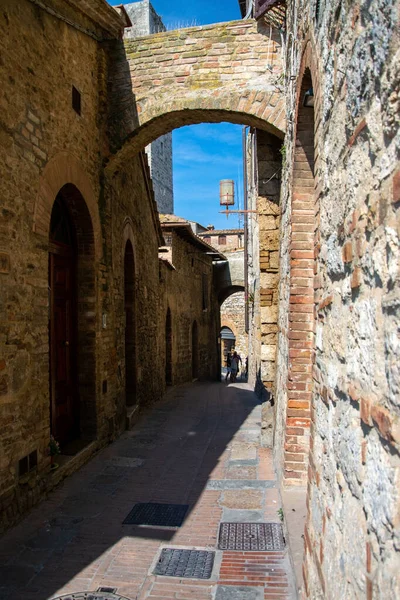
x=251, y=536
x=109, y=590
x=157, y=515
x=194, y=564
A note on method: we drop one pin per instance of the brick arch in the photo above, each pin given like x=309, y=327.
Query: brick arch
x=303, y=248
x=224, y=72
x=64, y=169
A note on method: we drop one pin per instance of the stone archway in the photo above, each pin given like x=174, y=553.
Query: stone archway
x=192, y=76
x=71, y=327
x=64, y=168
x=64, y=175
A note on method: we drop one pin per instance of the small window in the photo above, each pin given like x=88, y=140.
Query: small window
x=76, y=100
x=222, y=240
x=28, y=463
x=207, y=238
x=168, y=239
x=205, y=291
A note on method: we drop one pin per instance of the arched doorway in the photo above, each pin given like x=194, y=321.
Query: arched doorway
x=195, y=351
x=228, y=342
x=130, y=329
x=71, y=321
x=64, y=408
x=168, y=348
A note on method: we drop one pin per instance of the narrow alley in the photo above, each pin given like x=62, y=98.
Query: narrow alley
x=199, y=447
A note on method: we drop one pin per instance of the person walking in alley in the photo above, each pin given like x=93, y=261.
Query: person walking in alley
x=234, y=366
x=228, y=365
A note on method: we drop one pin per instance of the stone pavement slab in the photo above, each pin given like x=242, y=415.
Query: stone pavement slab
x=201, y=447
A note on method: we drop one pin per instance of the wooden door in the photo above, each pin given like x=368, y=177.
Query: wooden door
x=63, y=387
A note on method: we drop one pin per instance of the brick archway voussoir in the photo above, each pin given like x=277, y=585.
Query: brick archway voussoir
x=64, y=169
x=162, y=116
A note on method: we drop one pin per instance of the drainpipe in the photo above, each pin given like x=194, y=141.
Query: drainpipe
x=246, y=217
x=249, y=10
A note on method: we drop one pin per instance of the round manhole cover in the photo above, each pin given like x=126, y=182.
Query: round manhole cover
x=99, y=595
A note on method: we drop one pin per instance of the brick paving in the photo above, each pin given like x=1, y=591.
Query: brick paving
x=200, y=447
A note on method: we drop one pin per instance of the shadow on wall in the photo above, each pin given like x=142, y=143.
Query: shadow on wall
x=120, y=101
x=268, y=411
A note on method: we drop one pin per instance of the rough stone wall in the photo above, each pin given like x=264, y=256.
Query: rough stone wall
x=45, y=144
x=233, y=316
x=182, y=293
x=351, y=51
x=268, y=182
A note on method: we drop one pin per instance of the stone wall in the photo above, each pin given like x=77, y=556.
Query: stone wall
x=225, y=240
x=46, y=144
x=340, y=252
x=160, y=160
x=182, y=295
x=268, y=183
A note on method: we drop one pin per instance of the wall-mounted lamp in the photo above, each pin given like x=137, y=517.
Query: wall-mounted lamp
x=309, y=98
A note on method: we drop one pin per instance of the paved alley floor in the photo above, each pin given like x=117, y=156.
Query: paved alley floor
x=199, y=447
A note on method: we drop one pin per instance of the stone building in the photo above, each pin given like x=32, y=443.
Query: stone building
x=191, y=319
x=145, y=21
x=226, y=240
x=234, y=330
x=336, y=379
x=80, y=320
x=79, y=241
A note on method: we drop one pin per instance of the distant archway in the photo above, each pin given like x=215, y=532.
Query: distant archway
x=195, y=351
x=228, y=342
x=168, y=348
x=130, y=325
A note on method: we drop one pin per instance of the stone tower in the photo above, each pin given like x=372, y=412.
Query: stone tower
x=146, y=21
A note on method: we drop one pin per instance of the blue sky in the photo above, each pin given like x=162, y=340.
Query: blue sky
x=203, y=154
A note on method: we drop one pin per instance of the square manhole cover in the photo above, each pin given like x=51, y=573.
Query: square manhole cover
x=194, y=564
x=157, y=515
x=251, y=536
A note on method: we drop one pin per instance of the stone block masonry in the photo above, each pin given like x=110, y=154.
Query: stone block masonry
x=338, y=318
x=212, y=73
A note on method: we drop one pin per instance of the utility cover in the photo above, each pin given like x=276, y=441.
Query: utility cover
x=157, y=515
x=194, y=564
x=266, y=537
